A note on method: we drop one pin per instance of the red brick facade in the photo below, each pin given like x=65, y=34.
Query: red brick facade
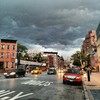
x=50, y=60
x=8, y=54
x=89, y=47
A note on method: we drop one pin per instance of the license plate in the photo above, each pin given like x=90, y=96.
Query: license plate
x=71, y=80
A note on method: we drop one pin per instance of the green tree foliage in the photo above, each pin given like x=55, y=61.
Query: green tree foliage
x=77, y=62
x=79, y=57
x=38, y=57
x=22, y=48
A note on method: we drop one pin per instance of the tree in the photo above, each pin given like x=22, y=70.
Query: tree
x=38, y=57
x=79, y=58
x=77, y=62
x=21, y=49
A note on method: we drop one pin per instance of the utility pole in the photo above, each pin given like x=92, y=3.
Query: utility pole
x=88, y=67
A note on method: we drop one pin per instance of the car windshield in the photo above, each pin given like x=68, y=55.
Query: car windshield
x=51, y=70
x=9, y=72
x=73, y=71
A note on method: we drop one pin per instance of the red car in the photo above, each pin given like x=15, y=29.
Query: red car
x=72, y=75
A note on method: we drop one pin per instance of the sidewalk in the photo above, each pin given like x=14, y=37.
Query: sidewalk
x=92, y=87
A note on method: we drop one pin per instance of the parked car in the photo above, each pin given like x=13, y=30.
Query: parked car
x=72, y=75
x=36, y=71
x=51, y=71
x=15, y=73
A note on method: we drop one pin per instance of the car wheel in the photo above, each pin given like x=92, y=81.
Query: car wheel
x=80, y=83
x=24, y=75
x=64, y=82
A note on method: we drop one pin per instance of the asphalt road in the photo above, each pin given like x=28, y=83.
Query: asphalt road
x=39, y=87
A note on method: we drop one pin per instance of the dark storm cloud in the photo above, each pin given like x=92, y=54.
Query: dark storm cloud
x=56, y=24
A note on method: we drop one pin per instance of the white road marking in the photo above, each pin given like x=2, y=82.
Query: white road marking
x=5, y=98
x=18, y=96
x=39, y=83
x=7, y=93
x=4, y=93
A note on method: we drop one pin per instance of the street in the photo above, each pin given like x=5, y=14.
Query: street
x=39, y=87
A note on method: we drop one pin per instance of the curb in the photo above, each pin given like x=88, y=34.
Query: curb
x=87, y=93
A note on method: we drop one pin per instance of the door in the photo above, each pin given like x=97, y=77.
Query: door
x=1, y=65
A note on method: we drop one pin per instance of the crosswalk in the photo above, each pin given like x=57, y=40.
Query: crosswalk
x=5, y=95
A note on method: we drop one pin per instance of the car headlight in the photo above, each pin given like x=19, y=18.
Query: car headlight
x=78, y=77
x=65, y=76
x=5, y=73
x=12, y=73
x=35, y=71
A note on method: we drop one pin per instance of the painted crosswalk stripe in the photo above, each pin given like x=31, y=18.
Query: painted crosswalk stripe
x=7, y=93
x=18, y=96
x=4, y=98
x=3, y=92
x=4, y=95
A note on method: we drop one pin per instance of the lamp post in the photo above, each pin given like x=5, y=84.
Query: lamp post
x=17, y=61
x=88, y=67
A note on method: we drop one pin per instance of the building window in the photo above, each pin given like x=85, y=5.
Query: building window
x=1, y=55
x=8, y=47
x=2, y=46
x=6, y=64
x=13, y=64
x=1, y=65
x=13, y=55
x=13, y=47
x=7, y=55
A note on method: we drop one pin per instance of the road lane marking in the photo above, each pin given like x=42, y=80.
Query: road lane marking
x=7, y=93
x=18, y=96
x=4, y=95
x=5, y=98
x=2, y=92
x=39, y=83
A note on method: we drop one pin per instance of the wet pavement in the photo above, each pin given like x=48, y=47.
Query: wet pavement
x=92, y=87
x=96, y=93
x=39, y=87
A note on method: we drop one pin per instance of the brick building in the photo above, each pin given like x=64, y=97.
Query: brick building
x=60, y=62
x=89, y=47
x=8, y=54
x=52, y=58
x=98, y=44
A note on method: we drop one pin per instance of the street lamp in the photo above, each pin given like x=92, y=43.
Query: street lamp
x=88, y=66
x=17, y=61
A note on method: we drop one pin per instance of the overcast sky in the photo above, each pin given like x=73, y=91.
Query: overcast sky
x=49, y=25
